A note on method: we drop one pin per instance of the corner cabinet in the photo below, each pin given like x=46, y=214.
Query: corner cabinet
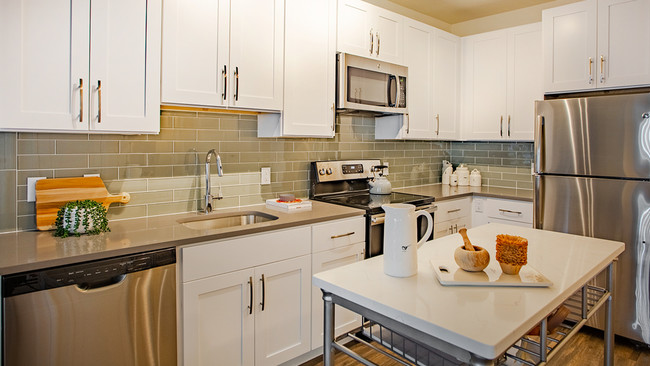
x=596, y=44
x=309, y=73
x=501, y=80
x=369, y=31
x=431, y=56
x=65, y=75
x=223, y=53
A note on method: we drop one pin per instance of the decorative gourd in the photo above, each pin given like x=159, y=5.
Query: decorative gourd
x=81, y=217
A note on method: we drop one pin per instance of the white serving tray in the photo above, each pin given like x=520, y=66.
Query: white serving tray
x=449, y=274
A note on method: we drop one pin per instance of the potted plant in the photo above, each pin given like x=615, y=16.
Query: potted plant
x=81, y=217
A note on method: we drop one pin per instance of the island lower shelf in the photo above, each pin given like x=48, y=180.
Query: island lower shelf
x=398, y=345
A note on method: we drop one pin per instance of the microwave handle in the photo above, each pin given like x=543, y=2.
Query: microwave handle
x=392, y=81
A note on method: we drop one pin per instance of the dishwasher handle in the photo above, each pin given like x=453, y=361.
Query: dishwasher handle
x=101, y=283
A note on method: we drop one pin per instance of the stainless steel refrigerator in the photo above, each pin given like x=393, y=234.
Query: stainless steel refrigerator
x=592, y=177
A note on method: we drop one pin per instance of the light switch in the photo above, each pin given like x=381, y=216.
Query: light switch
x=31, y=188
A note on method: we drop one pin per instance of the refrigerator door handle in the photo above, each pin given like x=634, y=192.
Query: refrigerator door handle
x=539, y=143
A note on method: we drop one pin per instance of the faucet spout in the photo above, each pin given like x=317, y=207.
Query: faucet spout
x=208, y=194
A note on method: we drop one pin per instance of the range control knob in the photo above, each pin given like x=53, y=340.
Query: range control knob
x=321, y=171
x=329, y=171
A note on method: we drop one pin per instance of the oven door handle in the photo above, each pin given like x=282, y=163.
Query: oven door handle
x=377, y=220
x=429, y=208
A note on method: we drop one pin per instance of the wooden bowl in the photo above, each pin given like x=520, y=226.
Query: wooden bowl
x=472, y=261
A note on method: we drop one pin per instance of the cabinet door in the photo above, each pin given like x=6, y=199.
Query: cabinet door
x=345, y=320
x=256, y=54
x=485, y=92
x=354, y=33
x=195, y=52
x=282, y=323
x=446, y=85
x=43, y=63
x=218, y=326
x=623, y=39
x=570, y=47
x=524, y=80
x=418, y=56
x=125, y=66
x=388, y=28
x=310, y=68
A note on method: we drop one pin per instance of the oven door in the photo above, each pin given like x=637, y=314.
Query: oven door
x=375, y=230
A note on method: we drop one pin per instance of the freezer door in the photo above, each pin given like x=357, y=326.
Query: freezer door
x=612, y=209
x=604, y=136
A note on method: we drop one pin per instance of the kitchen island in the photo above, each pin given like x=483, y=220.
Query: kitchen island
x=476, y=325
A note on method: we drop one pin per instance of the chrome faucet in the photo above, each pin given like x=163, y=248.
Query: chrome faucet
x=208, y=195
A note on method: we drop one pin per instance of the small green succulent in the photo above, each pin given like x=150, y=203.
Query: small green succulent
x=92, y=212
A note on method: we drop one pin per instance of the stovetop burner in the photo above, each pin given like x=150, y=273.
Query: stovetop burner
x=373, y=202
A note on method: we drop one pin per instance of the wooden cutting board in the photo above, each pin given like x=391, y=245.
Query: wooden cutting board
x=52, y=194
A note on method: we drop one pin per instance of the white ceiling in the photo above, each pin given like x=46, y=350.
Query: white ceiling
x=456, y=11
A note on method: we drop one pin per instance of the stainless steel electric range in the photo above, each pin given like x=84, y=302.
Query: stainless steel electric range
x=345, y=182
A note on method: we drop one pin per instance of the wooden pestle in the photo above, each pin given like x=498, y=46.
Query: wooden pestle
x=468, y=244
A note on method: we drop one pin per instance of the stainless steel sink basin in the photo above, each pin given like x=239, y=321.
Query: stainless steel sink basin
x=226, y=220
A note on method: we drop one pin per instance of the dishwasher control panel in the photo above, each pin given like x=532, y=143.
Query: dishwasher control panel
x=85, y=275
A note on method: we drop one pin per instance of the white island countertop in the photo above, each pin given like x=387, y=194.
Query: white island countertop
x=485, y=321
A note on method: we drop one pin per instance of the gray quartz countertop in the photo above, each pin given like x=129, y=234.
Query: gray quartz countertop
x=442, y=192
x=32, y=250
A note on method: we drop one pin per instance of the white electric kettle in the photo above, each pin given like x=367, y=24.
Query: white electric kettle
x=400, y=238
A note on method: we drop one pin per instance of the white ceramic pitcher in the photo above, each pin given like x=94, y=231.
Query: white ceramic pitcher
x=400, y=239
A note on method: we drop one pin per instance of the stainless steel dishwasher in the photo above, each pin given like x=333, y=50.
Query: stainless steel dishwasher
x=117, y=311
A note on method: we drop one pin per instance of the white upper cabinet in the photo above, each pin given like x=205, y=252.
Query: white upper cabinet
x=68, y=76
x=446, y=85
x=501, y=81
x=369, y=31
x=221, y=53
x=432, y=58
x=596, y=44
x=309, y=72
x=418, y=57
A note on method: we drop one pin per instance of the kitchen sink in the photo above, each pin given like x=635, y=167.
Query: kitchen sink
x=226, y=220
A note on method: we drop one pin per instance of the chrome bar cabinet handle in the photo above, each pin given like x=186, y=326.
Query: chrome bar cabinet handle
x=99, y=100
x=263, y=291
x=342, y=235
x=591, y=63
x=602, y=69
x=224, y=73
x=378, y=43
x=237, y=83
x=510, y=211
x=250, y=288
x=501, y=126
x=81, y=100
x=437, y=124
x=372, y=42
x=508, y=125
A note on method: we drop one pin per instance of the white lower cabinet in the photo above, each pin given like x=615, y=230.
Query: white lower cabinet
x=451, y=216
x=345, y=319
x=257, y=314
x=249, y=300
x=505, y=211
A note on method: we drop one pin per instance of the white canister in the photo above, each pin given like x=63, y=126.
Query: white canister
x=446, y=174
x=453, y=179
x=475, y=178
x=463, y=175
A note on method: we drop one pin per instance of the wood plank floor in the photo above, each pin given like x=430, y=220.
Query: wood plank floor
x=585, y=349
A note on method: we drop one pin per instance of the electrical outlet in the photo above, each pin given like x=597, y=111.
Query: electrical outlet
x=532, y=168
x=31, y=188
x=386, y=170
x=265, y=176
x=478, y=205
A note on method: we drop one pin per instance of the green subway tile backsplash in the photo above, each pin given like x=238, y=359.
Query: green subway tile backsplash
x=165, y=173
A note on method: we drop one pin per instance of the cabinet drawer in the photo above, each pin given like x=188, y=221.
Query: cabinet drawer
x=452, y=209
x=213, y=258
x=511, y=210
x=339, y=233
x=450, y=227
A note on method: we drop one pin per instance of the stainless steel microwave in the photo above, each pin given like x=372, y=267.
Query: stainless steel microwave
x=364, y=84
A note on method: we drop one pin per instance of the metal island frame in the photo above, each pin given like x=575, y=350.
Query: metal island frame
x=425, y=323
